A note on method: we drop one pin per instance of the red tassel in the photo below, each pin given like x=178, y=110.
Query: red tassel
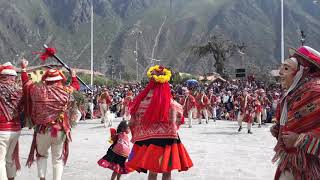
x=32, y=150
x=49, y=52
x=182, y=120
x=65, y=153
x=54, y=132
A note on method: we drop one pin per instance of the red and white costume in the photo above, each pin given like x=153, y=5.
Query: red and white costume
x=48, y=108
x=246, y=111
x=203, y=103
x=156, y=117
x=117, y=153
x=213, y=101
x=266, y=104
x=10, y=127
x=105, y=101
x=297, y=116
x=189, y=106
x=126, y=104
x=258, y=109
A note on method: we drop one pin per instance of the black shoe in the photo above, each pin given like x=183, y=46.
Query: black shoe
x=249, y=132
x=259, y=126
x=240, y=128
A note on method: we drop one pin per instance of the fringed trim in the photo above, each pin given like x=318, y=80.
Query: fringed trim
x=303, y=167
x=65, y=153
x=33, y=149
x=309, y=143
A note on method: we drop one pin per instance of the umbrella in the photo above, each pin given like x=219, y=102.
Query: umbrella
x=192, y=82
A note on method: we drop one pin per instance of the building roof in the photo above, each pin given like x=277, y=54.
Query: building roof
x=211, y=77
x=58, y=66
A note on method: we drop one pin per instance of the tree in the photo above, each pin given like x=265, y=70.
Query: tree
x=176, y=78
x=128, y=76
x=221, y=50
x=97, y=80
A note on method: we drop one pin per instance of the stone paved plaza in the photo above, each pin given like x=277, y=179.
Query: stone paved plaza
x=218, y=151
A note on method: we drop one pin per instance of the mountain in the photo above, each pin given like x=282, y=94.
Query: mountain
x=169, y=28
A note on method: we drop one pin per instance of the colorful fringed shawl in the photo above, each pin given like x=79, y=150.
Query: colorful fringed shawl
x=304, y=119
x=47, y=103
x=10, y=98
x=11, y=105
x=48, y=106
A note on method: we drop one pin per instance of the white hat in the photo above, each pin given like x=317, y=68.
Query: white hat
x=53, y=75
x=8, y=69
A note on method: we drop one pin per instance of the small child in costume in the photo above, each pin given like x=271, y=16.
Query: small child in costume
x=118, y=152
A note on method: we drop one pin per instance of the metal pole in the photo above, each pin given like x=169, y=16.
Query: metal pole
x=92, y=58
x=91, y=45
x=137, y=68
x=282, y=32
x=112, y=68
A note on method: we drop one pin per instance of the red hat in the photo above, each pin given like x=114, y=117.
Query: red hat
x=8, y=69
x=53, y=75
x=307, y=53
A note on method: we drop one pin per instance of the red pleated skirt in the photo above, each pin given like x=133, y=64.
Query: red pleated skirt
x=159, y=158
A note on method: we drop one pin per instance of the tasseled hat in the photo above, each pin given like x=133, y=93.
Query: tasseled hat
x=308, y=54
x=8, y=69
x=52, y=75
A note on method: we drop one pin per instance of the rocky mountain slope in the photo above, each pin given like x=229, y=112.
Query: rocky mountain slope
x=164, y=30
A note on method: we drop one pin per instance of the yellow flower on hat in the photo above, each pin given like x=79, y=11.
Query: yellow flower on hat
x=159, y=78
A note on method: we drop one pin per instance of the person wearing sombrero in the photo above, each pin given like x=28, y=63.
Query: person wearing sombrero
x=298, y=122
x=48, y=106
x=155, y=119
x=11, y=107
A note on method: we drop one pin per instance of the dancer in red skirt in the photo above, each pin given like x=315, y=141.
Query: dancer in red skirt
x=155, y=119
x=118, y=152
